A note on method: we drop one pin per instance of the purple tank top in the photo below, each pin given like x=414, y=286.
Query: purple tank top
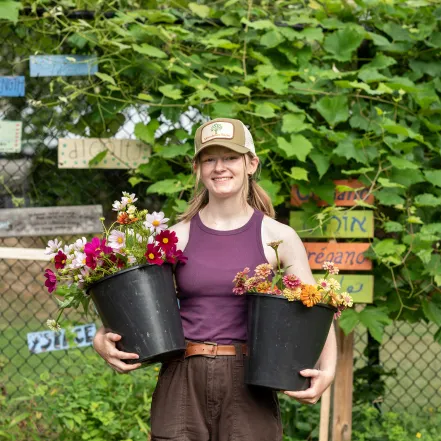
x=210, y=311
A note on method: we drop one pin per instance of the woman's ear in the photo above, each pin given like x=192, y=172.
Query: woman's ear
x=253, y=163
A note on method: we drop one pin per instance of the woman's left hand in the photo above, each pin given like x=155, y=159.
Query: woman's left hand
x=320, y=381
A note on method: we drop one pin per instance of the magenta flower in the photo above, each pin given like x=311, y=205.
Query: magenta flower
x=96, y=246
x=166, y=239
x=51, y=280
x=154, y=255
x=60, y=260
x=174, y=255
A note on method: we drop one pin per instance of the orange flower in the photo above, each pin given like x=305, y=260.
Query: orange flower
x=123, y=218
x=263, y=287
x=310, y=295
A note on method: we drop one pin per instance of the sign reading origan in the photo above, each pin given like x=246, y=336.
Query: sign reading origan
x=50, y=221
x=120, y=153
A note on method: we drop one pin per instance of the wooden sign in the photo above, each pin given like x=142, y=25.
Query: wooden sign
x=347, y=224
x=17, y=253
x=10, y=136
x=121, y=153
x=12, y=86
x=361, y=288
x=62, y=65
x=50, y=221
x=343, y=199
x=347, y=256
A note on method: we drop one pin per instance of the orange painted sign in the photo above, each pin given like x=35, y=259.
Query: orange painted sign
x=342, y=199
x=347, y=256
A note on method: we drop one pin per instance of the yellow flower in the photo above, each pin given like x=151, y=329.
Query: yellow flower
x=156, y=369
x=418, y=435
x=275, y=244
x=263, y=287
x=310, y=295
x=292, y=294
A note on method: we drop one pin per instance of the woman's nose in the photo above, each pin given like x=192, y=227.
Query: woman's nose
x=219, y=165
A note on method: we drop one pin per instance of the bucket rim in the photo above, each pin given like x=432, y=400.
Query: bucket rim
x=126, y=270
x=259, y=294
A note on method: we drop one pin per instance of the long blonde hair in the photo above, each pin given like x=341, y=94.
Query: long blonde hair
x=252, y=194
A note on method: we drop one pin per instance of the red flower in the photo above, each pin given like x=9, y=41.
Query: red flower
x=60, y=260
x=119, y=262
x=51, y=280
x=154, y=254
x=166, y=239
x=173, y=255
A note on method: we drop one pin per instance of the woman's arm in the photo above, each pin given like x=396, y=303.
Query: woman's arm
x=293, y=254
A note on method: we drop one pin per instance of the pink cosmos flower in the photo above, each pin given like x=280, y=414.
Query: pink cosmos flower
x=96, y=246
x=291, y=281
x=51, y=280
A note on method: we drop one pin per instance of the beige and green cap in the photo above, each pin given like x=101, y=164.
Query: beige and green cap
x=225, y=132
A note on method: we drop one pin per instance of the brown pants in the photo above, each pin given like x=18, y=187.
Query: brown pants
x=206, y=399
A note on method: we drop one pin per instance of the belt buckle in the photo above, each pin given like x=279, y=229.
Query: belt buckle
x=215, y=349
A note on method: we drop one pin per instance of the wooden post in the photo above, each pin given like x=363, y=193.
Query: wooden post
x=342, y=402
x=325, y=408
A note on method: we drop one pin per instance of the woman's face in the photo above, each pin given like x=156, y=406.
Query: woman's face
x=223, y=170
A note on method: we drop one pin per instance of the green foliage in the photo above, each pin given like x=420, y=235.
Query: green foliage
x=329, y=90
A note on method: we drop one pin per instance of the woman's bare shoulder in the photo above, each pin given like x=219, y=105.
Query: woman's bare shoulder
x=275, y=230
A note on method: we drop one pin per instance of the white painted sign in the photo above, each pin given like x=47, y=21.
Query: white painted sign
x=121, y=153
x=50, y=221
x=47, y=341
x=10, y=136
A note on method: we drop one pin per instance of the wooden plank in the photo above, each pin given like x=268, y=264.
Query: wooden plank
x=347, y=256
x=121, y=153
x=62, y=65
x=50, y=221
x=342, y=199
x=12, y=86
x=360, y=287
x=342, y=402
x=10, y=136
x=23, y=253
x=325, y=407
x=345, y=224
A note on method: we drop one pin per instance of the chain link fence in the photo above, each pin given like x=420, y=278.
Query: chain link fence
x=402, y=373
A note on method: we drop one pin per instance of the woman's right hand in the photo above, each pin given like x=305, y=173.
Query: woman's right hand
x=104, y=344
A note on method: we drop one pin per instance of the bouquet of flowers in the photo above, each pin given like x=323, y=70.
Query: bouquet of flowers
x=135, y=238
x=266, y=280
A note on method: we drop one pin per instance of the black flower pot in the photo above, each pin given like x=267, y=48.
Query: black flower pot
x=284, y=338
x=140, y=304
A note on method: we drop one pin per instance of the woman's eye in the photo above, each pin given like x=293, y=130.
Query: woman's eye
x=208, y=160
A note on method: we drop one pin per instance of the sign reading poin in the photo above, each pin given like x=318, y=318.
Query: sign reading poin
x=121, y=153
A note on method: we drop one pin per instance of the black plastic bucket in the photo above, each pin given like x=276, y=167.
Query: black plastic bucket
x=140, y=304
x=284, y=338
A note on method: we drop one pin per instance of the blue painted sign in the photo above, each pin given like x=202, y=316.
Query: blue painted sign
x=62, y=65
x=12, y=86
x=47, y=341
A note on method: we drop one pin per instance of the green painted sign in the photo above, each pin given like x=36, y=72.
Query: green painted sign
x=361, y=288
x=346, y=224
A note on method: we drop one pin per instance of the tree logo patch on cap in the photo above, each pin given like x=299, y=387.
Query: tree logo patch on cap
x=217, y=131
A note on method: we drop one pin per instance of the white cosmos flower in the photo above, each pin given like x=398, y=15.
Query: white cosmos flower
x=131, y=209
x=53, y=246
x=131, y=259
x=68, y=249
x=79, y=244
x=53, y=325
x=333, y=284
x=129, y=198
x=156, y=222
x=117, y=206
x=117, y=239
x=80, y=260
x=151, y=239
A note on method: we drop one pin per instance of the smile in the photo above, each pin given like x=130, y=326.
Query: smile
x=221, y=179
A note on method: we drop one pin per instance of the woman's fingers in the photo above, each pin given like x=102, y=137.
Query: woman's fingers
x=113, y=337
x=122, y=367
x=124, y=355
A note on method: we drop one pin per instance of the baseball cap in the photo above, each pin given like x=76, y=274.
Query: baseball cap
x=225, y=132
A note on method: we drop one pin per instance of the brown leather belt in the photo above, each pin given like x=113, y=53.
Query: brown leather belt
x=209, y=349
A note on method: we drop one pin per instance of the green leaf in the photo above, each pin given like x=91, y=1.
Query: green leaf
x=388, y=197
x=135, y=180
x=145, y=97
x=265, y=110
x=151, y=51
x=348, y=150
x=433, y=176
x=259, y=24
x=348, y=320
x=385, y=182
x=298, y=174
x=427, y=200
x=388, y=247
x=432, y=309
x=106, y=78
x=272, y=39
x=393, y=227
x=9, y=10
x=341, y=44
x=375, y=321
x=402, y=163
x=180, y=205
x=166, y=186
x=173, y=151
x=146, y=133
x=293, y=122
x=171, y=92
x=321, y=161
x=298, y=146
x=200, y=10
x=272, y=188
x=98, y=158
x=333, y=109
x=243, y=90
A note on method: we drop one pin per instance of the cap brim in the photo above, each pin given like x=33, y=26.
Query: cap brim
x=225, y=143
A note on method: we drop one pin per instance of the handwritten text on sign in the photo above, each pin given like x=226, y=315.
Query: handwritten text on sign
x=62, y=65
x=10, y=136
x=50, y=221
x=347, y=224
x=343, y=199
x=347, y=256
x=361, y=288
x=46, y=341
x=12, y=86
x=121, y=153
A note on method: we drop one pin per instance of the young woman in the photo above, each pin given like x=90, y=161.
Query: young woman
x=230, y=220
